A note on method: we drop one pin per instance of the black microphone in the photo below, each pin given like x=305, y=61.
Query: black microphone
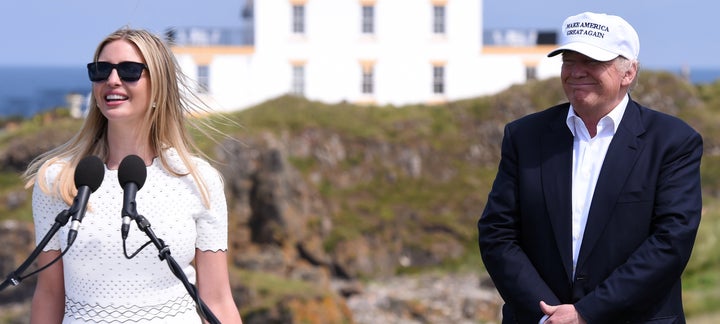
x=89, y=175
x=131, y=175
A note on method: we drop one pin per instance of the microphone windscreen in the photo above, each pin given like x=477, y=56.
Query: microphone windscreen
x=132, y=169
x=90, y=172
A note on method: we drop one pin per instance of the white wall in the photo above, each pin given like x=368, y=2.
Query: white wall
x=403, y=49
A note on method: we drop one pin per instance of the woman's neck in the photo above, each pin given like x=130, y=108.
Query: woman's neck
x=122, y=143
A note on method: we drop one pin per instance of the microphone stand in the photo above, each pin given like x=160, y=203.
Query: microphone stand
x=15, y=277
x=164, y=255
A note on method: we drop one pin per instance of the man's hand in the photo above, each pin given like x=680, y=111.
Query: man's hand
x=561, y=314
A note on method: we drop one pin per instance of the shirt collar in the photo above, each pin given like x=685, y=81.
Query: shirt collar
x=614, y=116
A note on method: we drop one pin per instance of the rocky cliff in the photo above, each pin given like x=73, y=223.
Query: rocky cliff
x=343, y=214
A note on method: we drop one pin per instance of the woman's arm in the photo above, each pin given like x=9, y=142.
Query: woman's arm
x=48, y=303
x=213, y=284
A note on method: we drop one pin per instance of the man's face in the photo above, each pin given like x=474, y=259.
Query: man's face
x=592, y=86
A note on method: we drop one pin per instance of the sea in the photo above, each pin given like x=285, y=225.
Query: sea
x=28, y=90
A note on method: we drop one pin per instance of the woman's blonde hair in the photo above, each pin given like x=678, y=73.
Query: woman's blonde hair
x=171, y=101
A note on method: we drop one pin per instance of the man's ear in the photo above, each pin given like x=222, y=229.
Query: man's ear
x=630, y=74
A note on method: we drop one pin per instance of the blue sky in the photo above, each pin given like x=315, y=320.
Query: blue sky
x=672, y=33
x=65, y=33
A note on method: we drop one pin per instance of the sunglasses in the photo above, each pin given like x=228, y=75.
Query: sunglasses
x=127, y=71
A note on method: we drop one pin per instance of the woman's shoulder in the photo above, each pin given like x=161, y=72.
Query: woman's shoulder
x=52, y=168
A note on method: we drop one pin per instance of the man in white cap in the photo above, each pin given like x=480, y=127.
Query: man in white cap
x=596, y=204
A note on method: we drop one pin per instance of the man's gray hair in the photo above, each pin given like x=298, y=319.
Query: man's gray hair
x=623, y=64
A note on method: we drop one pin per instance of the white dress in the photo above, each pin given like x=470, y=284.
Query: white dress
x=101, y=285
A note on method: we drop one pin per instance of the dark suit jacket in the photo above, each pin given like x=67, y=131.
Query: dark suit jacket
x=640, y=230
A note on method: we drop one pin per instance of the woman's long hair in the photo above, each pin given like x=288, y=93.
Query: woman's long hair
x=171, y=102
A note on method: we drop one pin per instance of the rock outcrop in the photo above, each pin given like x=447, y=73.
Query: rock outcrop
x=322, y=226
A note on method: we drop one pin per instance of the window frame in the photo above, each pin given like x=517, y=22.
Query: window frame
x=297, y=86
x=438, y=85
x=368, y=81
x=298, y=19
x=203, y=78
x=368, y=19
x=439, y=20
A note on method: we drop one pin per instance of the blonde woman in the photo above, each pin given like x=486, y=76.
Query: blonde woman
x=137, y=108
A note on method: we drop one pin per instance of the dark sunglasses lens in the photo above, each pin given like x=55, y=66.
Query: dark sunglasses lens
x=127, y=71
x=99, y=71
x=130, y=71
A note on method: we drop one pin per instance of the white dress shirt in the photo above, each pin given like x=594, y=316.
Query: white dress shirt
x=588, y=156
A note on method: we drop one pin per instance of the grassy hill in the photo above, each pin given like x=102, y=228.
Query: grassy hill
x=437, y=177
x=452, y=193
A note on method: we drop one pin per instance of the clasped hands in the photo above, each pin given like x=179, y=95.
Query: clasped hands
x=565, y=313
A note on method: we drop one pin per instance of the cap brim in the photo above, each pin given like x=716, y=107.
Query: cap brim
x=591, y=51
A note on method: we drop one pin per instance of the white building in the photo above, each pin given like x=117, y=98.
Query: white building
x=381, y=52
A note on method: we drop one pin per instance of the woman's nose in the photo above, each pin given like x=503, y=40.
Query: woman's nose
x=114, y=78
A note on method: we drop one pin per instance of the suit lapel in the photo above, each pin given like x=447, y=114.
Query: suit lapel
x=623, y=151
x=556, y=172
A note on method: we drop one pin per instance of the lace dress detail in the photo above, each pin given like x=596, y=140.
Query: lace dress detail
x=179, y=310
x=101, y=285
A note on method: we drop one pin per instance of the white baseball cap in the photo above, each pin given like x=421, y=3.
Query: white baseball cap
x=600, y=36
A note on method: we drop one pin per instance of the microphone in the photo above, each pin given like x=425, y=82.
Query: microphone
x=89, y=175
x=131, y=175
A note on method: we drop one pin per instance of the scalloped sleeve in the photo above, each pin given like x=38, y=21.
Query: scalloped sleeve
x=45, y=208
x=212, y=224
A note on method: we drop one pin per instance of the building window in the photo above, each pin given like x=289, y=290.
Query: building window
x=298, y=22
x=367, y=80
x=438, y=79
x=298, y=80
x=368, y=19
x=203, y=78
x=530, y=73
x=439, y=19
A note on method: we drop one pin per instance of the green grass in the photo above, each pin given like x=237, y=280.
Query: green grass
x=701, y=280
x=448, y=195
x=270, y=288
